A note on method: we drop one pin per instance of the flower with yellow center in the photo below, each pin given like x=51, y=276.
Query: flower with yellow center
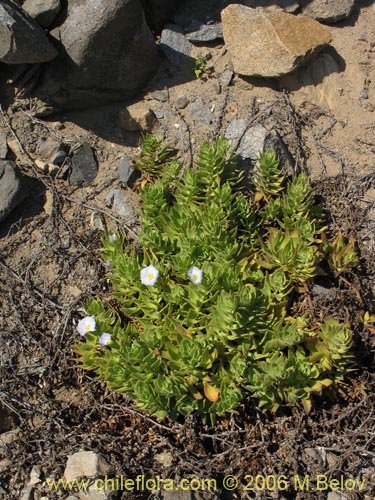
x=149, y=275
x=105, y=339
x=86, y=325
x=195, y=274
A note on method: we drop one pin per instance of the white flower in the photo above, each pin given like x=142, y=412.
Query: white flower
x=105, y=339
x=85, y=325
x=108, y=263
x=195, y=274
x=112, y=237
x=149, y=275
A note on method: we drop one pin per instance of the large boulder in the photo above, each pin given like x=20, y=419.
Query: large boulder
x=269, y=43
x=22, y=40
x=108, y=44
x=107, y=53
x=327, y=11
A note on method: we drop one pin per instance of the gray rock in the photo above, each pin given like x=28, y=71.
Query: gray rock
x=327, y=12
x=107, y=53
x=200, y=111
x=252, y=142
x=206, y=33
x=43, y=11
x=85, y=167
x=276, y=42
x=120, y=202
x=26, y=493
x=107, y=44
x=235, y=129
x=124, y=169
x=12, y=189
x=85, y=464
x=3, y=145
x=320, y=290
x=97, y=221
x=22, y=40
x=181, y=102
x=257, y=139
x=48, y=148
x=88, y=464
x=226, y=77
x=175, y=46
x=59, y=157
x=363, y=94
x=169, y=115
x=159, y=95
x=34, y=476
x=127, y=174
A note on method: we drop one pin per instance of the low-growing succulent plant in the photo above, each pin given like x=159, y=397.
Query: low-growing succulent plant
x=200, y=66
x=201, y=318
x=341, y=256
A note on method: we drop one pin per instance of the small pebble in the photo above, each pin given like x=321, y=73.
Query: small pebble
x=158, y=95
x=59, y=157
x=226, y=77
x=125, y=170
x=369, y=107
x=34, y=476
x=320, y=290
x=182, y=102
x=97, y=221
x=363, y=94
x=65, y=242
